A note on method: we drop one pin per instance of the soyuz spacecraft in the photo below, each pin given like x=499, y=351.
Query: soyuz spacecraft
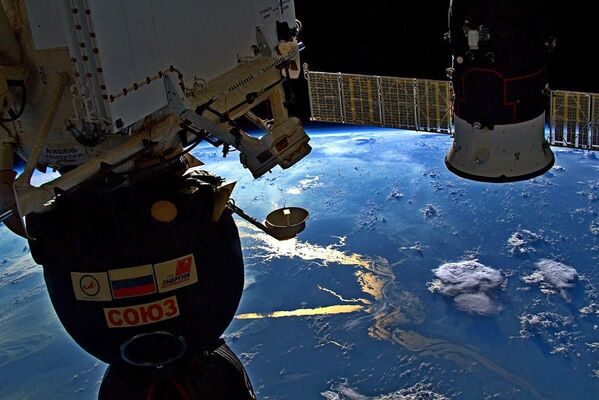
x=141, y=256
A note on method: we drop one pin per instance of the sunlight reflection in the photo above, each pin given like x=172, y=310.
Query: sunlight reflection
x=304, y=312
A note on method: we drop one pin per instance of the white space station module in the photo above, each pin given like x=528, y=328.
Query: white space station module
x=141, y=256
x=88, y=84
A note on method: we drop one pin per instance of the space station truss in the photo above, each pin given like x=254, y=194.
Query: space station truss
x=406, y=103
x=574, y=119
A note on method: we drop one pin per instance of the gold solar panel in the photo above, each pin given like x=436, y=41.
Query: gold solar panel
x=406, y=103
x=361, y=103
x=571, y=114
x=434, y=105
x=398, y=99
x=326, y=101
x=594, y=144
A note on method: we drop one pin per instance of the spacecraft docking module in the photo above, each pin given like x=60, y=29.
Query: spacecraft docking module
x=141, y=256
x=499, y=55
x=494, y=105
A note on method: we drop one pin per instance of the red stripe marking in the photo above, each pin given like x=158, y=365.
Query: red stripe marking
x=134, y=291
x=150, y=395
x=505, y=80
x=181, y=390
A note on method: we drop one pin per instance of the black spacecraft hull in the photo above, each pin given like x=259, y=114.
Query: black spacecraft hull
x=130, y=288
x=499, y=79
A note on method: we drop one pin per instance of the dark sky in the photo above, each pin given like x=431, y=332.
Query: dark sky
x=405, y=38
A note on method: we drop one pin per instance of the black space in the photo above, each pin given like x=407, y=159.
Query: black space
x=405, y=38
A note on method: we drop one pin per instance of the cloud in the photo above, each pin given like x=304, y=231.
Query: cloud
x=471, y=284
x=559, y=275
x=591, y=309
x=430, y=211
x=553, y=277
x=420, y=391
x=523, y=241
x=553, y=329
x=477, y=303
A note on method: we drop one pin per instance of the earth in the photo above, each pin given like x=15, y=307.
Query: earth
x=408, y=283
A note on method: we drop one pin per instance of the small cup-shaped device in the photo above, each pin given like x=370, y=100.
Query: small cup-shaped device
x=286, y=223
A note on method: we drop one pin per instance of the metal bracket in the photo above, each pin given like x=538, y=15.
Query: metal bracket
x=263, y=47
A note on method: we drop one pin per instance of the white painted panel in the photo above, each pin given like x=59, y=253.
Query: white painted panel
x=129, y=52
x=267, y=13
x=202, y=39
x=138, y=38
x=47, y=23
x=288, y=12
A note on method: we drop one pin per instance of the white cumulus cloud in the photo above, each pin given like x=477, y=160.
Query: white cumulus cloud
x=471, y=284
x=553, y=277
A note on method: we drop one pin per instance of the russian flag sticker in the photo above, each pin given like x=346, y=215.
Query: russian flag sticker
x=132, y=282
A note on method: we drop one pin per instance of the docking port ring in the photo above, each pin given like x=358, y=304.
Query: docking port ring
x=153, y=349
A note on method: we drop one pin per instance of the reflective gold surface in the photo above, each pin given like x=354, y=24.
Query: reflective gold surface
x=304, y=312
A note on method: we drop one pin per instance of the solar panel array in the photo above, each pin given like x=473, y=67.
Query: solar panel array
x=416, y=104
x=574, y=119
x=426, y=105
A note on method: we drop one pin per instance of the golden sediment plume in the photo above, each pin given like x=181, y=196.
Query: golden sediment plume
x=370, y=275
x=370, y=283
x=295, y=248
x=325, y=255
x=305, y=312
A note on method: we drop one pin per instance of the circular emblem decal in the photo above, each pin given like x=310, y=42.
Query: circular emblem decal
x=89, y=285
